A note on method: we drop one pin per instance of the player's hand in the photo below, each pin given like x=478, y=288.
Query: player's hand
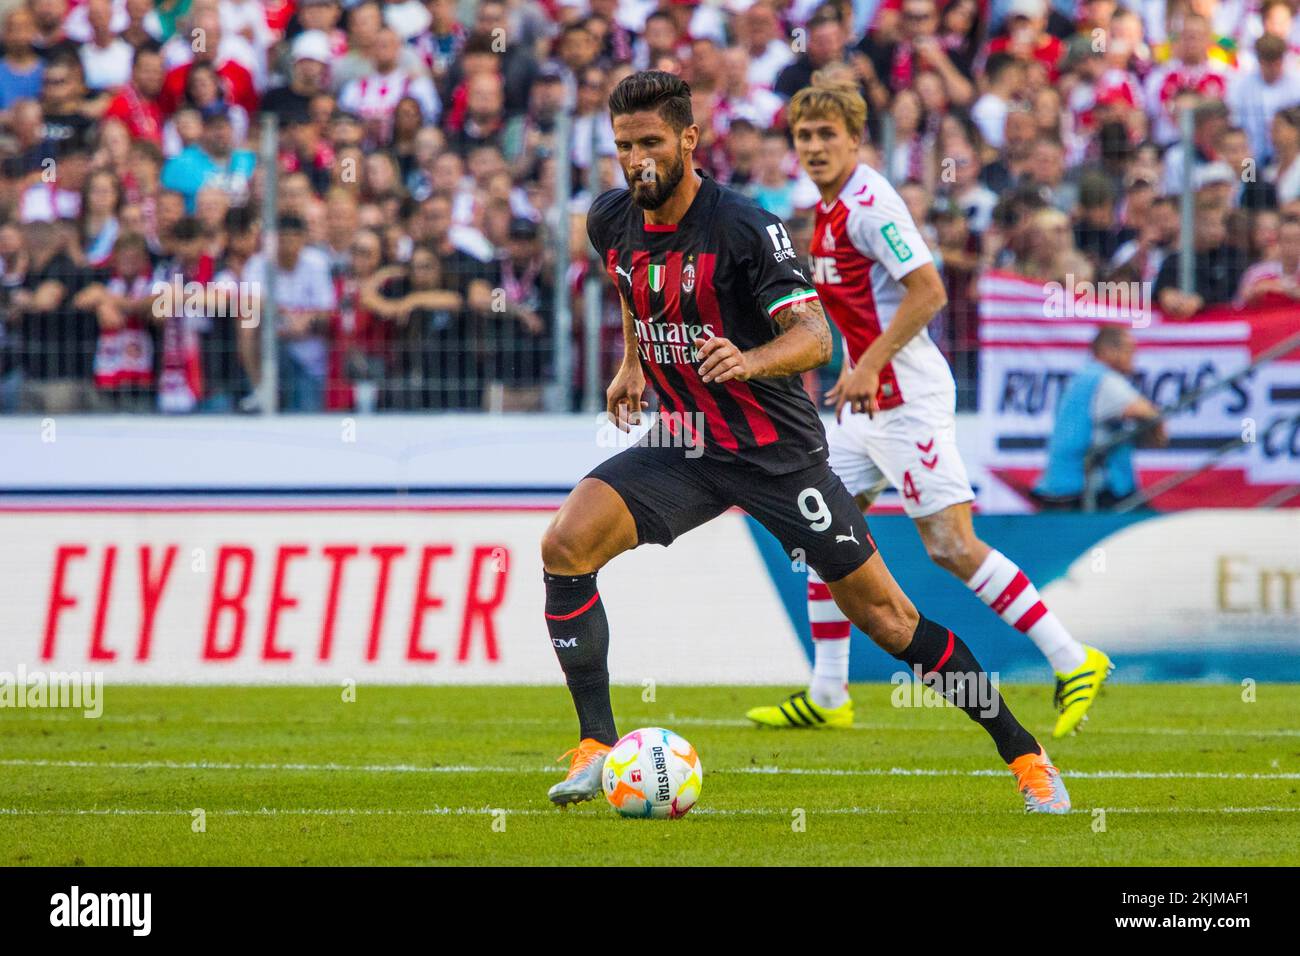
x=856, y=390
x=721, y=360
x=623, y=397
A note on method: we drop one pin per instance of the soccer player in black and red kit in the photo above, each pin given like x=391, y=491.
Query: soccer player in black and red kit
x=719, y=317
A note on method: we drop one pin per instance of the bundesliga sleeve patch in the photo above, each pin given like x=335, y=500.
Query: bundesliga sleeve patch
x=896, y=242
x=803, y=295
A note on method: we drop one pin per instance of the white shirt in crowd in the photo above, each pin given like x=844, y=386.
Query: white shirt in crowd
x=990, y=115
x=1253, y=104
x=376, y=96
x=108, y=67
x=763, y=69
x=46, y=202
x=307, y=285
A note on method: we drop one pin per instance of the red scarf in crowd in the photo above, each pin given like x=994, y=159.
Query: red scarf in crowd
x=181, y=385
x=124, y=357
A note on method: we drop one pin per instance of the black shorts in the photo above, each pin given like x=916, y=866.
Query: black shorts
x=809, y=511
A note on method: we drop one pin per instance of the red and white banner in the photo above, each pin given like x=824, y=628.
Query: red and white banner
x=216, y=594
x=1032, y=339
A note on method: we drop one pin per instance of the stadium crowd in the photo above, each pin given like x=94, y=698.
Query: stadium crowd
x=416, y=190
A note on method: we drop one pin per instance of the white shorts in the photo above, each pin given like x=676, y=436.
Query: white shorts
x=912, y=447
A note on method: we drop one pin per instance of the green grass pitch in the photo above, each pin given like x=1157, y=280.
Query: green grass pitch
x=1186, y=775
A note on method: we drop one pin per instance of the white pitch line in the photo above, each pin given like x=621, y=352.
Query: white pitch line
x=763, y=770
x=664, y=720
x=487, y=811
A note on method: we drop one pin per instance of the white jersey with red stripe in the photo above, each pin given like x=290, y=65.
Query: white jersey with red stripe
x=864, y=244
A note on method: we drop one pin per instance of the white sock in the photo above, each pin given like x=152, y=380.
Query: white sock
x=1001, y=585
x=830, y=635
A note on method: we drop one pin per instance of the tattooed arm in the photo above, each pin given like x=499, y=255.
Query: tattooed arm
x=804, y=343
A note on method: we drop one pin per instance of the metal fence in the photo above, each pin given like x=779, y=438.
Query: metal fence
x=537, y=330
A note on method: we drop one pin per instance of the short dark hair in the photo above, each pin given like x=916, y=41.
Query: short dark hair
x=665, y=94
x=239, y=220
x=186, y=229
x=1108, y=337
x=998, y=63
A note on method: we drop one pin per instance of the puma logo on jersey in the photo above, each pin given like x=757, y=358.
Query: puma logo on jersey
x=825, y=271
x=846, y=537
x=625, y=275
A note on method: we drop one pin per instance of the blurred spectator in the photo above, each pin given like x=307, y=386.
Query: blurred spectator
x=1217, y=269
x=205, y=43
x=56, y=193
x=212, y=161
x=374, y=96
x=764, y=41
x=20, y=67
x=106, y=57
x=1257, y=95
x=827, y=44
x=1250, y=189
x=1275, y=281
x=438, y=363
x=1097, y=234
x=305, y=301
x=55, y=333
x=136, y=102
x=1097, y=405
x=1191, y=69
x=123, y=307
x=311, y=55
x=1284, y=171
x=1006, y=81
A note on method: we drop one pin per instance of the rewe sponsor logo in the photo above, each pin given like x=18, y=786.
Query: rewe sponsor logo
x=53, y=689
x=74, y=908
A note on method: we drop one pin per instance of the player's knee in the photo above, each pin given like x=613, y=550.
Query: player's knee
x=564, y=551
x=953, y=553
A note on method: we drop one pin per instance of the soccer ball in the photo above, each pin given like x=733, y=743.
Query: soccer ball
x=652, y=772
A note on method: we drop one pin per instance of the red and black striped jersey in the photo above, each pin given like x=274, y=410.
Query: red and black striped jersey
x=726, y=269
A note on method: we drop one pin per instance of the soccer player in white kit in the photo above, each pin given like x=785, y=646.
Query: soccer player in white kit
x=895, y=407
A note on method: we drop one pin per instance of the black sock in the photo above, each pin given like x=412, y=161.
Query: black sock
x=935, y=649
x=580, y=635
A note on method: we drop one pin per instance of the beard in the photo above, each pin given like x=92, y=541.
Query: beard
x=654, y=193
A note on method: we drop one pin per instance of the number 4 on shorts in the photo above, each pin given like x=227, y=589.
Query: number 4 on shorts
x=909, y=488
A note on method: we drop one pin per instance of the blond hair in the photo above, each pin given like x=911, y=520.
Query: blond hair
x=830, y=97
